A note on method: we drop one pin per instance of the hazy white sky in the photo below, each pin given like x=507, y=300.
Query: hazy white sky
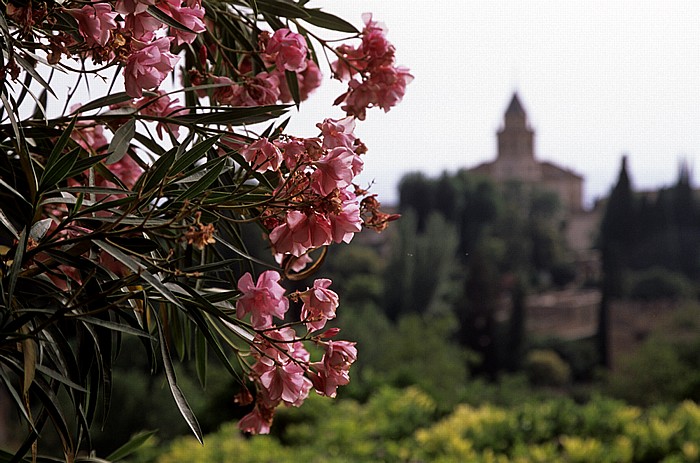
x=597, y=79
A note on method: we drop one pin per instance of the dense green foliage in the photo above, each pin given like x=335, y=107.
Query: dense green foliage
x=401, y=426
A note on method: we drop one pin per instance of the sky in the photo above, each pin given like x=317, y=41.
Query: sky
x=598, y=79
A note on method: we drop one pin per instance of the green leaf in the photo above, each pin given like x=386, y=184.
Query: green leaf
x=157, y=173
x=121, y=141
x=140, y=269
x=328, y=21
x=40, y=228
x=136, y=441
x=6, y=222
x=293, y=84
x=179, y=397
x=59, y=170
x=108, y=100
x=234, y=116
x=30, y=70
x=196, y=153
x=283, y=9
x=59, y=377
x=200, y=354
x=214, y=169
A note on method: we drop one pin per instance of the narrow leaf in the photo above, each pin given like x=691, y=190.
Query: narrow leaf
x=213, y=173
x=121, y=141
x=108, y=100
x=328, y=21
x=293, y=84
x=130, y=447
x=179, y=397
x=140, y=269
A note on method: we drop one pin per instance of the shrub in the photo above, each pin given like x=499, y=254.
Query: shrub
x=546, y=368
x=659, y=283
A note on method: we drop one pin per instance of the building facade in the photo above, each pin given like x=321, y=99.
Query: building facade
x=516, y=160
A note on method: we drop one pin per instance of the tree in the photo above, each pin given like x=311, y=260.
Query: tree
x=125, y=215
x=617, y=231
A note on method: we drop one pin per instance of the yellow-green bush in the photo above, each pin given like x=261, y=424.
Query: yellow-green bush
x=400, y=426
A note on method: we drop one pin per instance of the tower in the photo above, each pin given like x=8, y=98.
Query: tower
x=516, y=152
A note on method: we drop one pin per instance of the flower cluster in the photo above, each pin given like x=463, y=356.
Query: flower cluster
x=373, y=78
x=317, y=174
x=131, y=33
x=283, y=372
x=284, y=51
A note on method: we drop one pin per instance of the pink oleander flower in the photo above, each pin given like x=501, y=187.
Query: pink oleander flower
x=334, y=368
x=133, y=6
x=309, y=80
x=319, y=304
x=337, y=133
x=257, y=421
x=95, y=23
x=319, y=230
x=142, y=26
x=162, y=106
x=377, y=49
x=262, y=300
x=334, y=170
x=289, y=50
x=190, y=17
x=148, y=65
x=293, y=152
x=348, y=222
x=262, y=155
x=291, y=236
x=261, y=90
x=385, y=88
x=299, y=233
x=391, y=85
x=284, y=382
x=352, y=62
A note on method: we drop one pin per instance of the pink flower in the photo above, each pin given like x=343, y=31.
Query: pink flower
x=142, y=26
x=293, y=152
x=300, y=232
x=190, y=17
x=283, y=382
x=263, y=89
x=319, y=230
x=148, y=65
x=309, y=80
x=352, y=62
x=319, y=304
x=261, y=300
x=377, y=49
x=391, y=85
x=338, y=133
x=260, y=90
x=333, y=370
x=289, y=50
x=133, y=6
x=95, y=22
x=348, y=222
x=334, y=170
x=292, y=236
x=262, y=155
x=162, y=106
x=257, y=421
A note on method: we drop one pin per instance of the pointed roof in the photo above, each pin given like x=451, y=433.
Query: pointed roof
x=515, y=107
